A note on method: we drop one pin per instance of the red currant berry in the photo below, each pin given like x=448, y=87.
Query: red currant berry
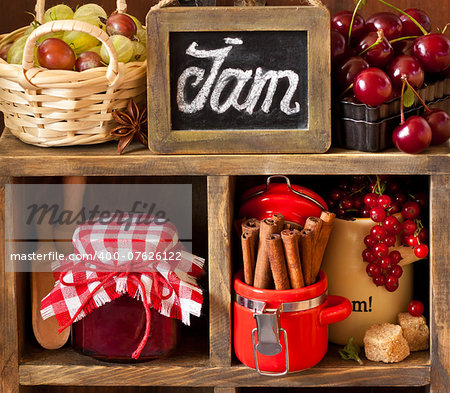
x=423, y=235
x=384, y=201
x=415, y=308
x=390, y=240
x=370, y=200
x=358, y=201
x=392, y=225
x=400, y=198
x=395, y=208
x=370, y=241
x=377, y=214
x=391, y=283
x=409, y=227
x=381, y=250
x=379, y=280
x=373, y=270
x=412, y=241
x=378, y=232
x=421, y=251
x=364, y=212
x=396, y=271
x=386, y=263
x=421, y=198
x=395, y=256
x=368, y=255
x=346, y=203
x=336, y=194
x=410, y=210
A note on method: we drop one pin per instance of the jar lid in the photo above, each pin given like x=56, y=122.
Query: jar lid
x=294, y=202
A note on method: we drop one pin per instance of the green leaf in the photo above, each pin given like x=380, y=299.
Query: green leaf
x=408, y=97
x=362, y=3
x=351, y=352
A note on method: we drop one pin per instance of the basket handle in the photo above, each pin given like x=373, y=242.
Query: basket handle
x=71, y=25
x=39, y=8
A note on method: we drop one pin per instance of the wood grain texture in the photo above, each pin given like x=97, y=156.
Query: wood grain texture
x=19, y=159
x=220, y=193
x=314, y=20
x=67, y=367
x=9, y=369
x=439, y=283
x=225, y=390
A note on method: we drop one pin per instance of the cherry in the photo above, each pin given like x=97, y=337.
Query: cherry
x=378, y=56
x=338, y=48
x=373, y=87
x=409, y=66
x=341, y=23
x=415, y=308
x=409, y=27
x=433, y=52
x=439, y=121
x=421, y=251
x=347, y=72
x=413, y=136
x=386, y=21
x=410, y=210
x=391, y=283
x=403, y=47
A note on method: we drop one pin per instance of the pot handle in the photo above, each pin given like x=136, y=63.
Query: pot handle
x=337, y=309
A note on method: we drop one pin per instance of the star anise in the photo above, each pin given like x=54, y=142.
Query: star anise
x=132, y=125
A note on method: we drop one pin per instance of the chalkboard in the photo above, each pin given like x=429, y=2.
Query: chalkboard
x=239, y=80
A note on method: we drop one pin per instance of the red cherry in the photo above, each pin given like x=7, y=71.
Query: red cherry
x=413, y=136
x=403, y=47
x=433, y=52
x=415, y=308
x=439, y=122
x=395, y=271
x=377, y=214
x=338, y=48
x=386, y=21
x=341, y=23
x=347, y=72
x=421, y=251
x=373, y=270
x=373, y=87
x=409, y=27
x=392, y=225
x=378, y=56
x=410, y=210
x=391, y=283
x=409, y=66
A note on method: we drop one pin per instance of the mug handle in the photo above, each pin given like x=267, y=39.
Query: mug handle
x=337, y=309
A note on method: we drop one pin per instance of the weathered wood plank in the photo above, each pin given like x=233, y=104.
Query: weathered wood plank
x=220, y=193
x=439, y=283
x=19, y=159
x=9, y=368
x=66, y=367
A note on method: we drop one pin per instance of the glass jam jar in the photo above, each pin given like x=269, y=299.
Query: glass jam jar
x=113, y=332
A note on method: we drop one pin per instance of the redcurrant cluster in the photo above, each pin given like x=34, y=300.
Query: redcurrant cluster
x=395, y=217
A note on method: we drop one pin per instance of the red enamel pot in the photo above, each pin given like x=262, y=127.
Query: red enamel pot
x=281, y=331
x=294, y=202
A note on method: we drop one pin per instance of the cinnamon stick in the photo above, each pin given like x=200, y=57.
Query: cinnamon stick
x=306, y=248
x=291, y=251
x=277, y=261
x=252, y=225
x=263, y=274
x=291, y=226
x=248, y=256
x=279, y=220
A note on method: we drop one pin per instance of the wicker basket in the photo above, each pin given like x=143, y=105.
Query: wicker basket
x=64, y=108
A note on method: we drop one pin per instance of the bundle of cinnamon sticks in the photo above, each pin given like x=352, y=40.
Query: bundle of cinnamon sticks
x=283, y=255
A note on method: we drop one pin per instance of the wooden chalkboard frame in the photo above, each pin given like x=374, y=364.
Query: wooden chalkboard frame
x=315, y=139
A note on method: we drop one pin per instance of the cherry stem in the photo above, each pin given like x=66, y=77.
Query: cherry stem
x=403, y=38
x=405, y=80
x=402, y=113
x=407, y=15
x=445, y=28
x=377, y=42
x=353, y=19
x=347, y=90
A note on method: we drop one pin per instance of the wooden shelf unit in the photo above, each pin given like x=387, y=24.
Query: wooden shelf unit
x=215, y=366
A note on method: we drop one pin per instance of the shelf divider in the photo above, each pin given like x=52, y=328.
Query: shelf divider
x=220, y=190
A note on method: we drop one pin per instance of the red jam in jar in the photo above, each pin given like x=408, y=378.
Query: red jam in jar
x=114, y=331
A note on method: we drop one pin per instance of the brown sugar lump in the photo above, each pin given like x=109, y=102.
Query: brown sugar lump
x=415, y=330
x=384, y=342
